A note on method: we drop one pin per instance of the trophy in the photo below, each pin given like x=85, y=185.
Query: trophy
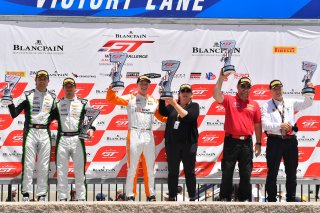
x=12, y=81
x=310, y=68
x=119, y=59
x=90, y=115
x=228, y=47
x=171, y=67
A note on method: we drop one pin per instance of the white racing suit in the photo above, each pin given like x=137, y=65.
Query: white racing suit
x=140, y=142
x=38, y=108
x=70, y=114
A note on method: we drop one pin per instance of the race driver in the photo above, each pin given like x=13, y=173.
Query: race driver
x=70, y=111
x=141, y=110
x=38, y=106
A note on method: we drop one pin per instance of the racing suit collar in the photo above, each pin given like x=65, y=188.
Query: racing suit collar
x=42, y=93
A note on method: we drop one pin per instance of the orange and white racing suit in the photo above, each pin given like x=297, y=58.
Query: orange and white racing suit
x=140, y=142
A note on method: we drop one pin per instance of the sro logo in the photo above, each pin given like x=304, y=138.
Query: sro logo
x=122, y=45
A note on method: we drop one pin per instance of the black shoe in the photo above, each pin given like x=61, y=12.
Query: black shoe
x=42, y=198
x=63, y=199
x=131, y=198
x=172, y=199
x=192, y=199
x=152, y=198
x=225, y=200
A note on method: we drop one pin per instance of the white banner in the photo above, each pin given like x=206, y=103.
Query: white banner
x=81, y=51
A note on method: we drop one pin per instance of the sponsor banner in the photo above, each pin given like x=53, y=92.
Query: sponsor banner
x=279, y=55
x=164, y=9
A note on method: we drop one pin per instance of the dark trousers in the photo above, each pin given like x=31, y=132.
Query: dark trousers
x=177, y=152
x=236, y=150
x=277, y=149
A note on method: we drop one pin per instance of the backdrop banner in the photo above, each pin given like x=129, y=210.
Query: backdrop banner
x=81, y=51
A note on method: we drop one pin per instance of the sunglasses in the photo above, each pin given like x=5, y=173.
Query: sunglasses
x=243, y=86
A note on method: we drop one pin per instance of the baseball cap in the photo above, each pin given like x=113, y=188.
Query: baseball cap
x=42, y=73
x=244, y=80
x=143, y=78
x=69, y=81
x=186, y=87
x=274, y=83
x=100, y=196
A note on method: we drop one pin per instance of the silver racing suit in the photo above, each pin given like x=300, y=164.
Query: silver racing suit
x=70, y=114
x=38, y=107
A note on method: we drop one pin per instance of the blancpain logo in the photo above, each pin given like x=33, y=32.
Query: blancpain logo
x=131, y=35
x=215, y=50
x=55, y=74
x=103, y=169
x=116, y=138
x=292, y=92
x=38, y=48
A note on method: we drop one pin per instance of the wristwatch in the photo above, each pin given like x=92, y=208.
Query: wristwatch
x=259, y=144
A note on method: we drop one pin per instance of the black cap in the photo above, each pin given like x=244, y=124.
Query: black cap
x=274, y=83
x=186, y=87
x=69, y=81
x=143, y=78
x=42, y=73
x=244, y=80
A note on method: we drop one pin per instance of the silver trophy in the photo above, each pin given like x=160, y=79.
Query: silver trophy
x=119, y=59
x=12, y=81
x=171, y=67
x=310, y=68
x=90, y=115
x=228, y=47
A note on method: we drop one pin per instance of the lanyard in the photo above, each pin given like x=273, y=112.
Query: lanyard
x=281, y=113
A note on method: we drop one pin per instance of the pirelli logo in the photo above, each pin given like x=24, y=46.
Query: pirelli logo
x=18, y=73
x=284, y=50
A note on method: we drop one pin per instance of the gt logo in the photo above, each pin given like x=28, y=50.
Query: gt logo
x=209, y=138
x=219, y=108
x=260, y=92
x=17, y=138
x=122, y=45
x=99, y=107
x=109, y=154
x=197, y=170
x=309, y=123
x=199, y=92
x=122, y=123
x=6, y=170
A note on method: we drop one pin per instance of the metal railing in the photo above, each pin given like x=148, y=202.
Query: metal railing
x=207, y=189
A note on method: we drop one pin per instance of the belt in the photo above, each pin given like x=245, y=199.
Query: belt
x=38, y=126
x=69, y=133
x=143, y=129
x=239, y=137
x=282, y=136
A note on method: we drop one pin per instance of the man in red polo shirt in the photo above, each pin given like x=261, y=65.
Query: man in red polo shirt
x=243, y=117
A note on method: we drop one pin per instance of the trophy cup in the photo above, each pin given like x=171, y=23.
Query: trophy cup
x=90, y=115
x=12, y=81
x=310, y=68
x=171, y=67
x=119, y=59
x=228, y=47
